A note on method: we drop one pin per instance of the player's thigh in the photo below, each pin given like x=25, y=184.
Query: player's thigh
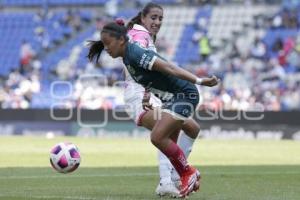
x=166, y=126
x=150, y=118
x=148, y=121
x=134, y=109
x=175, y=136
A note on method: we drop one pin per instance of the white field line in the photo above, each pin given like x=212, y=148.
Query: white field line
x=145, y=174
x=78, y=176
x=49, y=197
x=58, y=197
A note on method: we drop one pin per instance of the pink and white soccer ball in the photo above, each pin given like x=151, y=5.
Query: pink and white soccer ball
x=65, y=157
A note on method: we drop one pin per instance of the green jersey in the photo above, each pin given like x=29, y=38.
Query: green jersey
x=139, y=62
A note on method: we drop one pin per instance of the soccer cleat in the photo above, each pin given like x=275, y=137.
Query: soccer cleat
x=175, y=178
x=177, y=182
x=189, y=182
x=167, y=189
x=197, y=185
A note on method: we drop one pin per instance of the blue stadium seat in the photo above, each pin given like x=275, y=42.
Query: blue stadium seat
x=273, y=34
x=30, y=3
x=14, y=27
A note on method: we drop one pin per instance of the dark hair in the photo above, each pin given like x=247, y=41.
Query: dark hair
x=115, y=30
x=138, y=18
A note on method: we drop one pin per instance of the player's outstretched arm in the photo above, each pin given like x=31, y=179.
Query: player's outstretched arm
x=168, y=68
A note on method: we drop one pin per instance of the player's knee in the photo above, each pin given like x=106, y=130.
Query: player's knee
x=191, y=128
x=154, y=139
x=197, y=129
x=157, y=139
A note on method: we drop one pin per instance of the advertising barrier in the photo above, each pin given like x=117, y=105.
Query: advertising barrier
x=100, y=123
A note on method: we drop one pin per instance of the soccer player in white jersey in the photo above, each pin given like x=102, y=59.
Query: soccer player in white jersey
x=143, y=29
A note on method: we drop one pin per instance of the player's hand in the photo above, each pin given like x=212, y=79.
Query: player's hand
x=146, y=101
x=211, y=81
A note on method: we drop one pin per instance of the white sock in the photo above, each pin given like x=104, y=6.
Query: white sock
x=185, y=143
x=164, y=168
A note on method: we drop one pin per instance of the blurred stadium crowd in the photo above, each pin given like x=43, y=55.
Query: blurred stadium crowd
x=253, y=46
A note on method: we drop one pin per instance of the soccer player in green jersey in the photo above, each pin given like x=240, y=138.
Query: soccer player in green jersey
x=174, y=85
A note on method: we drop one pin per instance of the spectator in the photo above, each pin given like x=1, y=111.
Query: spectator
x=111, y=8
x=26, y=55
x=277, y=45
x=163, y=46
x=204, y=47
x=258, y=49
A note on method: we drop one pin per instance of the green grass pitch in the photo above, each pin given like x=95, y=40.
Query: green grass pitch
x=126, y=169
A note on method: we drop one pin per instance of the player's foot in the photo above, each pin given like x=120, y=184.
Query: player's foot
x=197, y=185
x=189, y=182
x=175, y=178
x=177, y=182
x=167, y=189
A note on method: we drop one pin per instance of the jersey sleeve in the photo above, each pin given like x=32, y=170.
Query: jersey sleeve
x=141, y=57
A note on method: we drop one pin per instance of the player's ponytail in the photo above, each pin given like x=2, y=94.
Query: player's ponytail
x=115, y=29
x=96, y=47
x=135, y=20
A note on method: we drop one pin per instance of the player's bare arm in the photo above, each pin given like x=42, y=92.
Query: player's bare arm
x=168, y=68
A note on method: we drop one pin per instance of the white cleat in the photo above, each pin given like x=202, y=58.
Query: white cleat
x=175, y=178
x=197, y=185
x=167, y=189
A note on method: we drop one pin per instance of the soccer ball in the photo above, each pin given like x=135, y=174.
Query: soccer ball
x=65, y=157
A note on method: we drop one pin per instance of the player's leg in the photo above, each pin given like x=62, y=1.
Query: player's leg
x=186, y=138
x=148, y=122
x=165, y=186
x=133, y=100
x=160, y=137
x=186, y=141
